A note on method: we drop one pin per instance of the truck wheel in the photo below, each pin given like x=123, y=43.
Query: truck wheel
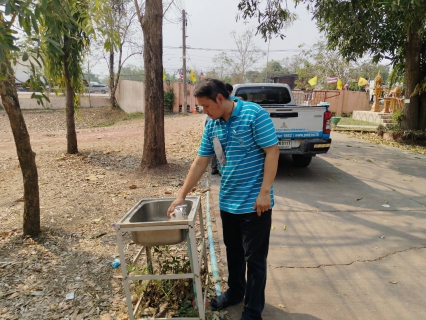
x=301, y=161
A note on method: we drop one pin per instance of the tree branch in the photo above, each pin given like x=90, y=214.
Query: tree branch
x=138, y=12
x=165, y=11
x=129, y=56
x=12, y=21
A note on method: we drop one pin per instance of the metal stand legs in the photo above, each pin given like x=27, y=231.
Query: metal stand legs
x=196, y=256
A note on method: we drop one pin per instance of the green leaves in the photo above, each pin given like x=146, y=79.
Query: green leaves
x=8, y=9
x=34, y=23
x=55, y=44
x=107, y=45
x=272, y=18
x=384, y=29
x=56, y=19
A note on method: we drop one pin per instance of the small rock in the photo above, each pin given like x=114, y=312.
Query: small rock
x=70, y=296
x=105, y=316
x=149, y=311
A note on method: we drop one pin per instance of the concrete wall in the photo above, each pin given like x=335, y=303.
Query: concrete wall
x=131, y=96
x=26, y=102
x=374, y=117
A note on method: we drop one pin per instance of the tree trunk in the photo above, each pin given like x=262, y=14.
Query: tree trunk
x=69, y=103
x=412, y=79
x=112, y=98
x=422, y=105
x=422, y=112
x=88, y=82
x=26, y=157
x=117, y=78
x=154, y=151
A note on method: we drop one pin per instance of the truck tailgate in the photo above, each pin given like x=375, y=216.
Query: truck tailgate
x=298, y=122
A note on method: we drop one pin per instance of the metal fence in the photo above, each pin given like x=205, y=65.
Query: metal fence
x=302, y=97
x=312, y=98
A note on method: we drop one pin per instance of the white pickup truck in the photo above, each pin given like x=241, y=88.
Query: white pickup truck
x=302, y=131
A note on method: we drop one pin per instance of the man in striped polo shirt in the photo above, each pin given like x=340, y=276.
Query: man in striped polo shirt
x=242, y=136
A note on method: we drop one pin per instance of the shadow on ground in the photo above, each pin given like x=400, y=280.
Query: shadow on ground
x=270, y=312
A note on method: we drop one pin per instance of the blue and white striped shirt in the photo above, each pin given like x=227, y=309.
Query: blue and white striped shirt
x=243, y=137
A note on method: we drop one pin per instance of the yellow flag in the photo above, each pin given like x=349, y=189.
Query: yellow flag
x=192, y=76
x=339, y=84
x=313, y=81
x=362, y=81
x=164, y=75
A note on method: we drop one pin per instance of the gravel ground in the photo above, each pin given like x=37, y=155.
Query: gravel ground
x=81, y=197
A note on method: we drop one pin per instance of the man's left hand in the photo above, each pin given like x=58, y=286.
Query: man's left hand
x=263, y=203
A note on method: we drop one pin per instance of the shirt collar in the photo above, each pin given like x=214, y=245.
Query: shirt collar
x=235, y=113
x=238, y=106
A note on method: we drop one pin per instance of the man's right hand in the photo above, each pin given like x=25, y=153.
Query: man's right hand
x=197, y=169
x=176, y=202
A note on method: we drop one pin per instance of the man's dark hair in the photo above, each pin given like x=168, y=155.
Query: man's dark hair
x=229, y=87
x=210, y=88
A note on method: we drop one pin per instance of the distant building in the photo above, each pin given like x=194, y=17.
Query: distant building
x=285, y=78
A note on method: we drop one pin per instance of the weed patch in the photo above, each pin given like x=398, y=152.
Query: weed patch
x=173, y=298
x=126, y=117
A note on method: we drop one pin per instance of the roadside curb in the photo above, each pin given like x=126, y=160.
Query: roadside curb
x=355, y=128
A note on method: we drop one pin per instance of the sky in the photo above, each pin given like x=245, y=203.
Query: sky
x=210, y=23
x=209, y=26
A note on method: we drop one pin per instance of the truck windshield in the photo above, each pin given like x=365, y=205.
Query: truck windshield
x=264, y=95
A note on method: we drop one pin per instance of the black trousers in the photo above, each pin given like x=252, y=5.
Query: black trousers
x=213, y=163
x=246, y=238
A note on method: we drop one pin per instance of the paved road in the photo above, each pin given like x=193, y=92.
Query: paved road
x=349, y=236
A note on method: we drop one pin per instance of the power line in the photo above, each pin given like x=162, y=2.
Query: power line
x=176, y=16
x=192, y=63
x=229, y=50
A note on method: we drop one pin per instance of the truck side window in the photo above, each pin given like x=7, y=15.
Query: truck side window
x=285, y=97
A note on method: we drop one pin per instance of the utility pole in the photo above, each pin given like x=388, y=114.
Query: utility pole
x=267, y=60
x=184, y=61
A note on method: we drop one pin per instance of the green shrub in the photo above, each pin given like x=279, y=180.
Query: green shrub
x=169, y=99
x=398, y=116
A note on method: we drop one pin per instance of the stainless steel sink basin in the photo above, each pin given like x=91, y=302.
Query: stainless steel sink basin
x=150, y=214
